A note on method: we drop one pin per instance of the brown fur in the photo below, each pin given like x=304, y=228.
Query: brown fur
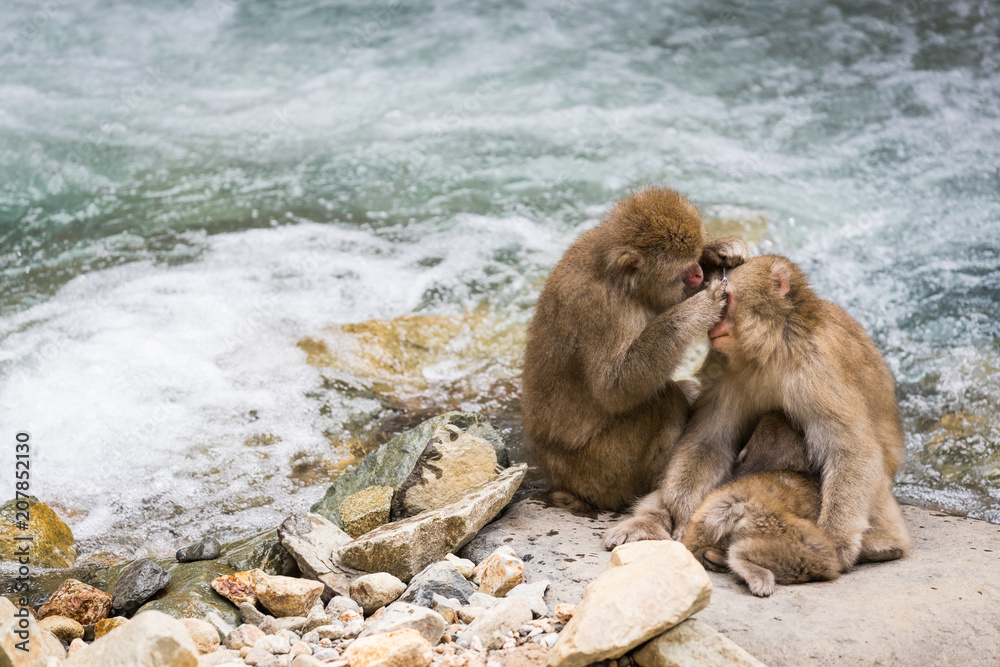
x=789, y=350
x=600, y=409
x=762, y=526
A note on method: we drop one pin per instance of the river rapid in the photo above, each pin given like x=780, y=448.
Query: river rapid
x=190, y=190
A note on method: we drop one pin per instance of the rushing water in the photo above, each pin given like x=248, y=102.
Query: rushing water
x=189, y=189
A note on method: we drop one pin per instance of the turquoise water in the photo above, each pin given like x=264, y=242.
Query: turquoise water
x=188, y=188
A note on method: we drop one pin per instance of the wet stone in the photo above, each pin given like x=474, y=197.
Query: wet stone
x=136, y=584
x=206, y=549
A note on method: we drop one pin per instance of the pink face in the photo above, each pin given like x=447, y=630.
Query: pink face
x=721, y=335
x=693, y=275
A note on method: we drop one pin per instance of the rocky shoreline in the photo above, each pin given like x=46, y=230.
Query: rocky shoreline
x=418, y=557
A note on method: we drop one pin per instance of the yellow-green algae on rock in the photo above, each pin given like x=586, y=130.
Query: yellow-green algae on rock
x=51, y=544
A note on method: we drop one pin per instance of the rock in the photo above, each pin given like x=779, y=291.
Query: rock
x=441, y=578
x=561, y=547
x=137, y=583
x=299, y=648
x=366, y=510
x=648, y=588
x=262, y=551
x=313, y=542
x=272, y=626
x=692, y=644
x=106, y=625
x=250, y=614
x=405, y=547
x=452, y=463
x=206, y=549
x=483, y=600
x=64, y=628
x=191, y=595
x=244, y=635
x=23, y=632
x=335, y=630
x=446, y=607
x=400, y=615
x=470, y=613
x=79, y=601
x=236, y=587
x=277, y=644
x=376, y=590
x=77, y=645
x=534, y=594
x=285, y=596
x=465, y=566
x=402, y=648
x=493, y=625
x=393, y=462
x=7, y=610
x=529, y=655
x=150, y=639
x=307, y=661
x=52, y=543
x=221, y=625
x=341, y=604
x=223, y=657
x=499, y=573
x=564, y=611
x=203, y=634
x=260, y=656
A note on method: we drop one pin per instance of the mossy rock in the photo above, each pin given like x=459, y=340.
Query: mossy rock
x=392, y=463
x=190, y=594
x=262, y=551
x=53, y=545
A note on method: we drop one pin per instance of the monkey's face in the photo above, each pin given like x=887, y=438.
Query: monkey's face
x=756, y=308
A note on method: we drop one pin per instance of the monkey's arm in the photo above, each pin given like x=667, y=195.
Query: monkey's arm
x=623, y=377
x=701, y=461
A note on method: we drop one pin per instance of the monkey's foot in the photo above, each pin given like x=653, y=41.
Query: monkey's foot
x=635, y=529
x=760, y=580
x=880, y=554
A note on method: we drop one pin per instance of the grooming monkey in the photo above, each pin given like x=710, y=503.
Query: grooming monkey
x=780, y=347
x=615, y=317
x=762, y=525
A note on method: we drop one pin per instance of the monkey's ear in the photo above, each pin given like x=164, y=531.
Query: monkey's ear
x=782, y=279
x=625, y=258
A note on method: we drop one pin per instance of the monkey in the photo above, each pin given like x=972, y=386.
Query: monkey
x=762, y=525
x=600, y=410
x=778, y=346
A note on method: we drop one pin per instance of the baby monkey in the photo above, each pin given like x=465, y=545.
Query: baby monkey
x=762, y=525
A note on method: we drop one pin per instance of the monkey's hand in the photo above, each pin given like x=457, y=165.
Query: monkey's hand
x=725, y=253
x=640, y=526
x=706, y=307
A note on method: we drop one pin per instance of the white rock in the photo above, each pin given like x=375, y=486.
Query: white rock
x=401, y=648
x=493, y=625
x=314, y=542
x=203, y=634
x=692, y=644
x=244, y=635
x=403, y=548
x=465, y=566
x=648, y=588
x=401, y=615
x=534, y=594
x=150, y=639
x=376, y=590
